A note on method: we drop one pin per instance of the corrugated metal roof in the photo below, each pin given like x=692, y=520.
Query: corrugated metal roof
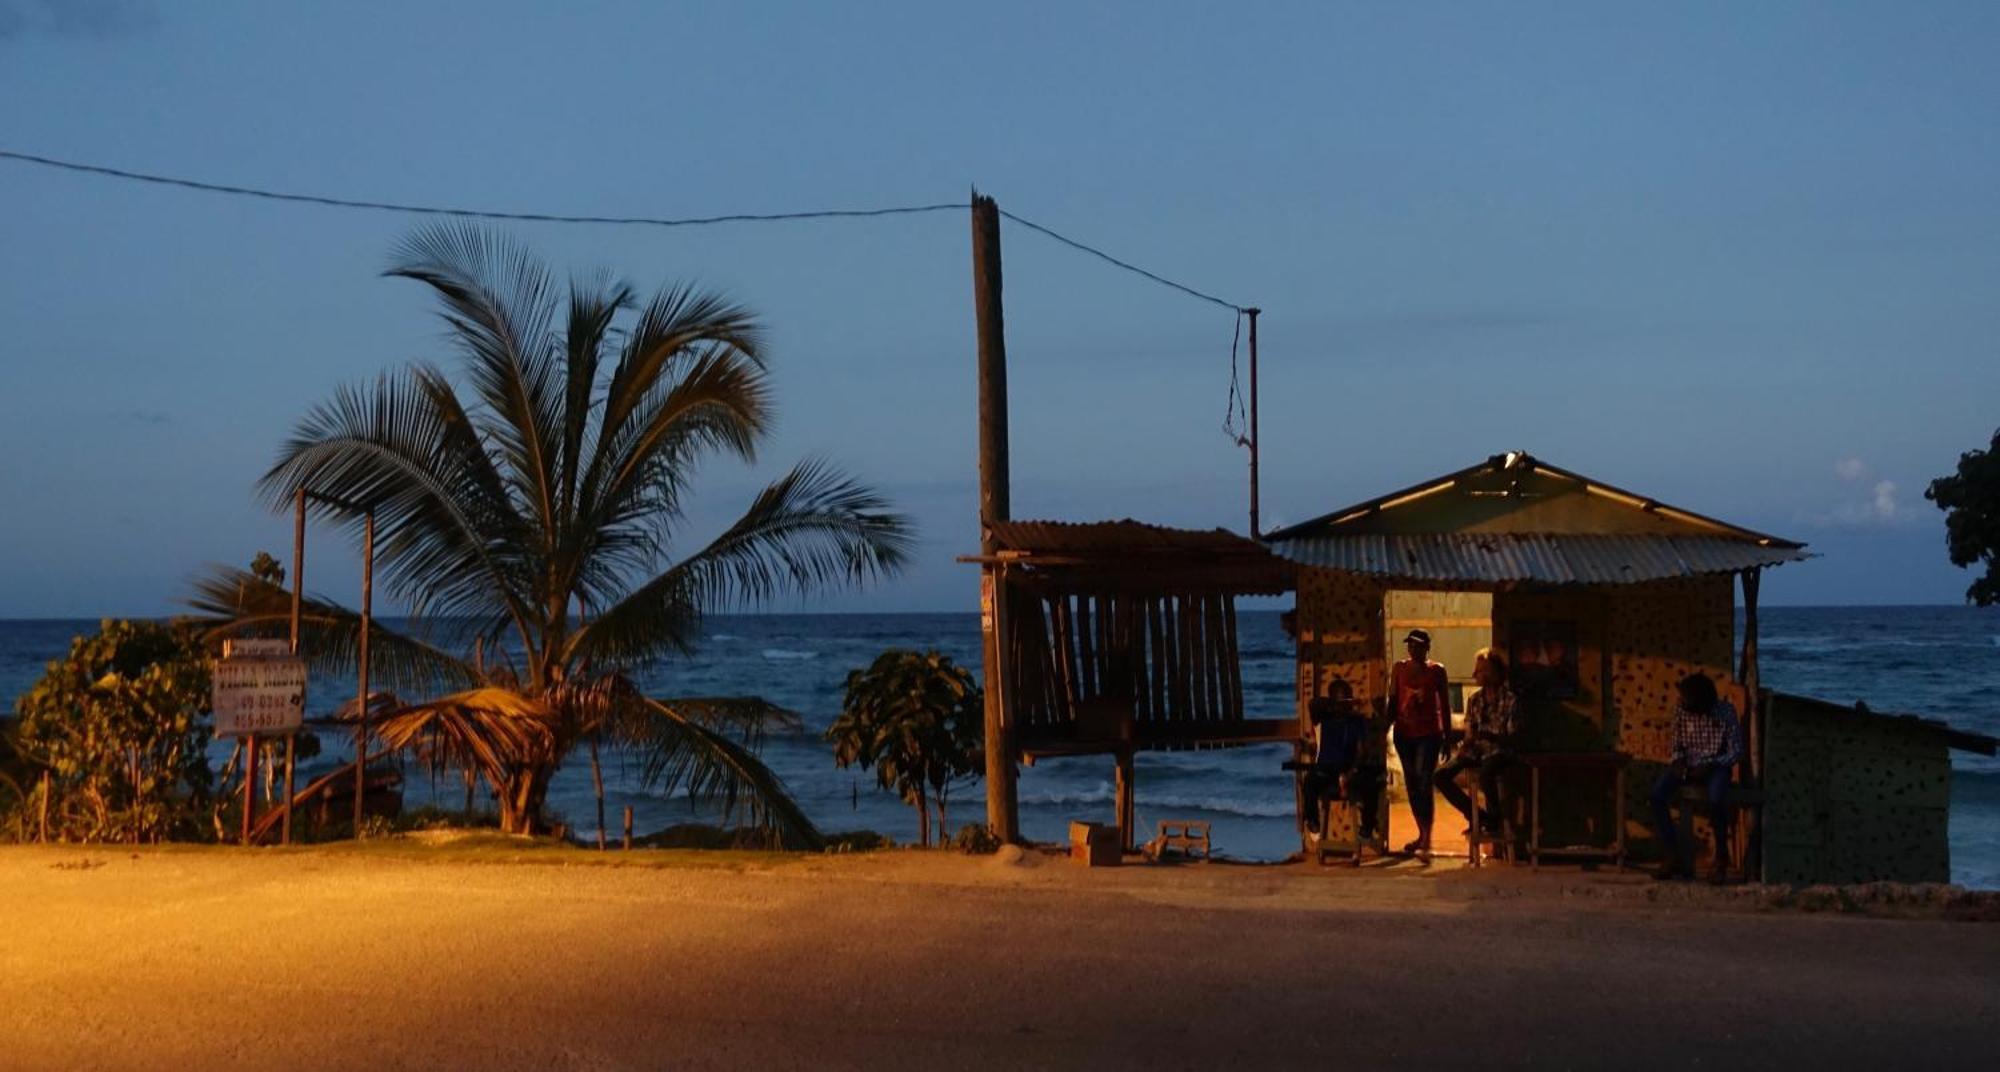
x=1118, y=537
x=1535, y=558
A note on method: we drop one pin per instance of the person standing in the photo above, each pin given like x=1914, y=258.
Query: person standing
x=1707, y=744
x=1420, y=700
x=1491, y=728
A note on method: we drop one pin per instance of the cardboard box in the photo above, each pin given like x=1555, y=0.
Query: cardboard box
x=1094, y=844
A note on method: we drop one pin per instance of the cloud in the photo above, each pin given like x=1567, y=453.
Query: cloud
x=1882, y=507
x=97, y=20
x=1850, y=469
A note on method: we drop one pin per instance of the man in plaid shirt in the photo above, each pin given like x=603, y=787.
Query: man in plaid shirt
x=1707, y=745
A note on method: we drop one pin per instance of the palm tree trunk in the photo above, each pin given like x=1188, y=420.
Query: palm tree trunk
x=923, y=819
x=597, y=779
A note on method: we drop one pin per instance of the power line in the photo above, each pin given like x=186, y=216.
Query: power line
x=481, y=214
x=1100, y=254
x=549, y=217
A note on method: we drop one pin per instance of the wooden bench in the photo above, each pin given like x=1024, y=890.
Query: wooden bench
x=1185, y=837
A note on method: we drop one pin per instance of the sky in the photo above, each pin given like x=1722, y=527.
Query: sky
x=1738, y=257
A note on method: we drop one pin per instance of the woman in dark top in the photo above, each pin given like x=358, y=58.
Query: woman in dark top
x=1420, y=699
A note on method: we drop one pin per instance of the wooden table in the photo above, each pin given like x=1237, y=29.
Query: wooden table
x=1588, y=763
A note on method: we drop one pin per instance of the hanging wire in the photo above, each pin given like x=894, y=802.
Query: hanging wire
x=1235, y=420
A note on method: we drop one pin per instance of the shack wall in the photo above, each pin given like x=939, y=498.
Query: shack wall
x=1339, y=618
x=1854, y=797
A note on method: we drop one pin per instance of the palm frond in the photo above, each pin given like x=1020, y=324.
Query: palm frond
x=499, y=302
x=681, y=754
x=230, y=602
x=494, y=731
x=449, y=538
x=810, y=530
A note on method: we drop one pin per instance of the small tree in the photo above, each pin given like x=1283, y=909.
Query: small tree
x=1970, y=499
x=916, y=718
x=121, y=725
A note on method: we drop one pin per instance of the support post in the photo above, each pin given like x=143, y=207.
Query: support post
x=298, y=606
x=1256, y=531
x=1124, y=794
x=361, y=665
x=249, y=785
x=1002, y=810
x=628, y=826
x=1753, y=727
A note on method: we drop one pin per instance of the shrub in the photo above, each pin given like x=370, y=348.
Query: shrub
x=917, y=719
x=121, y=726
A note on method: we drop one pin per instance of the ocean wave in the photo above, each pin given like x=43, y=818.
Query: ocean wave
x=1215, y=805
x=723, y=636
x=787, y=653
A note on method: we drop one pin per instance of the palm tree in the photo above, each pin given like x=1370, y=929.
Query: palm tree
x=538, y=504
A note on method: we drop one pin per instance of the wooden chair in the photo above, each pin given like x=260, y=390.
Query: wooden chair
x=1505, y=840
x=1339, y=830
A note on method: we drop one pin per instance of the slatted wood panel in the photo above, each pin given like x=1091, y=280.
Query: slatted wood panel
x=1172, y=658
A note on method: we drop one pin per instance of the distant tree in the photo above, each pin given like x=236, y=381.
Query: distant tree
x=121, y=726
x=1970, y=499
x=268, y=569
x=917, y=719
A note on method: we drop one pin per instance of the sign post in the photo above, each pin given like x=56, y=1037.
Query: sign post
x=258, y=689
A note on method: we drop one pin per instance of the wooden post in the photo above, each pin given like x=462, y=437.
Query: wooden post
x=1256, y=532
x=1123, y=795
x=47, y=789
x=1002, y=810
x=298, y=606
x=249, y=785
x=1752, y=825
x=361, y=660
x=628, y=826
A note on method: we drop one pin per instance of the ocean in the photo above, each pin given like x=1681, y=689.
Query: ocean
x=1940, y=662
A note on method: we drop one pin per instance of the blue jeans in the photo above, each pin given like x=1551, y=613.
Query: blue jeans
x=1715, y=779
x=1420, y=760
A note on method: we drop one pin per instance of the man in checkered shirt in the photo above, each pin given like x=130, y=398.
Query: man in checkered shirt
x=1707, y=744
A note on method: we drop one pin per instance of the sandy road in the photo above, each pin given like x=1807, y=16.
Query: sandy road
x=215, y=960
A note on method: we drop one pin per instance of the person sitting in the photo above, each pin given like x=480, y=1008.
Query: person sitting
x=1707, y=743
x=1491, y=729
x=1340, y=767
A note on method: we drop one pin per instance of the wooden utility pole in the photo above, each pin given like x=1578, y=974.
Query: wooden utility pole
x=361, y=660
x=1001, y=806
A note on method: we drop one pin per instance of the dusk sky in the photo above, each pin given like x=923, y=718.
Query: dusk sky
x=1740, y=257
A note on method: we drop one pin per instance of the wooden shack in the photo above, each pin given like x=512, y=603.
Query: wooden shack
x=1119, y=637
x=1604, y=599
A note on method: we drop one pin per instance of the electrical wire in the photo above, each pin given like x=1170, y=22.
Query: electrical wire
x=468, y=213
x=550, y=217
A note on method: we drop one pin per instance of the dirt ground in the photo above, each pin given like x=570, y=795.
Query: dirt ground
x=431, y=957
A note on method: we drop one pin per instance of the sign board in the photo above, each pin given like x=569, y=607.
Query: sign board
x=258, y=695
x=256, y=648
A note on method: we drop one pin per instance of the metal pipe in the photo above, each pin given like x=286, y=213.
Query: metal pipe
x=361, y=660
x=1256, y=532
x=298, y=606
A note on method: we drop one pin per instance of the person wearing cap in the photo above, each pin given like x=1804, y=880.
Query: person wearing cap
x=1707, y=743
x=1420, y=706
x=1491, y=725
